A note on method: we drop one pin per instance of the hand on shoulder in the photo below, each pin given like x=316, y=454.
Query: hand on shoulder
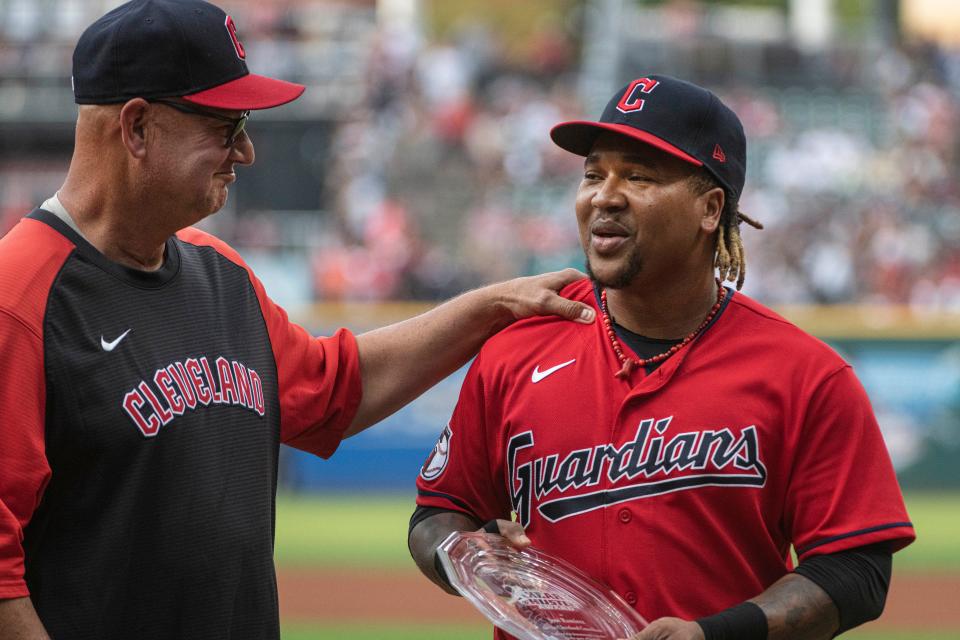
x=538, y=296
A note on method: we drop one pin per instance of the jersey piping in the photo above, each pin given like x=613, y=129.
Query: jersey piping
x=453, y=500
x=893, y=525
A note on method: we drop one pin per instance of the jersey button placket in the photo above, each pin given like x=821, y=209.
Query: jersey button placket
x=625, y=516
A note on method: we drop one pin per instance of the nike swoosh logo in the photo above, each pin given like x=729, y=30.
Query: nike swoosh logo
x=540, y=375
x=110, y=346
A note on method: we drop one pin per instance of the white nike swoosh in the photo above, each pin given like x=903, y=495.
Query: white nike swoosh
x=540, y=375
x=110, y=346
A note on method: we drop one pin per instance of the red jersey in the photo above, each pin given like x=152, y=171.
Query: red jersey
x=682, y=489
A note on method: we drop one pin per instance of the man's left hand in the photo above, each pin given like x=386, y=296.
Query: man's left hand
x=671, y=629
x=537, y=296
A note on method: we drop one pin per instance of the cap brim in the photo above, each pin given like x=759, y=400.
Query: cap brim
x=579, y=136
x=248, y=93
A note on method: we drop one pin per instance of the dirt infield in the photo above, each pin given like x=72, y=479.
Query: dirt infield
x=916, y=602
x=351, y=596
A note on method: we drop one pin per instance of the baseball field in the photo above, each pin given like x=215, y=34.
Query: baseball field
x=344, y=573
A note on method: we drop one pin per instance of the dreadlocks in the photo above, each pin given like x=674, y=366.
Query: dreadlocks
x=731, y=259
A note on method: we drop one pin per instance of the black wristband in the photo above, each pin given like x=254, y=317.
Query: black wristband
x=491, y=527
x=744, y=621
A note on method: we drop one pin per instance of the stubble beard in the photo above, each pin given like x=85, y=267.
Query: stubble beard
x=623, y=277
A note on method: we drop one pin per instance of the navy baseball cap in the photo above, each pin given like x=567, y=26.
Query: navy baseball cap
x=675, y=116
x=171, y=48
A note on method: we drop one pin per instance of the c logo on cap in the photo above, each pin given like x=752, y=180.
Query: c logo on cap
x=630, y=100
x=232, y=30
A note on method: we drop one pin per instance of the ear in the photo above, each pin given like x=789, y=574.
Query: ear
x=713, y=202
x=132, y=121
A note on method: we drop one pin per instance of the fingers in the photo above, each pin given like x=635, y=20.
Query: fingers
x=514, y=533
x=650, y=632
x=570, y=309
x=538, y=296
x=654, y=631
x=560, y=306
x=670, y=629
x=510, y=530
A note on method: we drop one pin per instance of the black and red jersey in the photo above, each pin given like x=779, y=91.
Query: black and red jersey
x=140, y=419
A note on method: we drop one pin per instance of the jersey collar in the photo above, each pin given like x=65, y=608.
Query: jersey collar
x=134, y=277
x=657, y=375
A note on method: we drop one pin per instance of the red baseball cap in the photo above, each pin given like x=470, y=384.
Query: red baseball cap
x=171, y=48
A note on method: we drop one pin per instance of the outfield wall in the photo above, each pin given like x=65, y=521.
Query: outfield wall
x=909, y=363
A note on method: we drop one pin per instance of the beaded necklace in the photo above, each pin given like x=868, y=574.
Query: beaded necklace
x=630, y=363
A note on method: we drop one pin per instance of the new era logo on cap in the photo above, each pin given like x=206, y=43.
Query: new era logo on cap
x=675, y=116
x=171, y=48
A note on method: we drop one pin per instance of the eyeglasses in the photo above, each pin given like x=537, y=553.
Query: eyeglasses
x=239, y=124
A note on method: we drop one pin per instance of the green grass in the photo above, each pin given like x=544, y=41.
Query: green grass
x=344, y=531
x=371, y=531
x=936, y=517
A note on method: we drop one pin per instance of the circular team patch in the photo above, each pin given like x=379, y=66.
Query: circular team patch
x=436, y=462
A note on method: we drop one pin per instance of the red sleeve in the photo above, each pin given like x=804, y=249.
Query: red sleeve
x=24, y=471
x=318, y=378
x=31, y=256
x=843, y=492
x=464, y=470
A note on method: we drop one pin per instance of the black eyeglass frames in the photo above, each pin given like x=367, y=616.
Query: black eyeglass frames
x=239, y=124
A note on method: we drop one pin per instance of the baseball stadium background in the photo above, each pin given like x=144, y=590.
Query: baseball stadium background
x=418, y=165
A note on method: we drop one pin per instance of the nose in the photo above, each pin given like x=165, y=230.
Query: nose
x=242, y=150
x=609, y=196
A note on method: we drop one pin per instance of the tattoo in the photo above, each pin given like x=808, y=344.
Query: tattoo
x=797, y=609
x=795, y=617
x=424, y=539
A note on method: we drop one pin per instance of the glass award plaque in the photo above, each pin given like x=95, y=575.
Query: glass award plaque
x=531, y=594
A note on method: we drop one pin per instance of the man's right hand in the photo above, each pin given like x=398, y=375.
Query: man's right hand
x=510, y=530
x=431, y=532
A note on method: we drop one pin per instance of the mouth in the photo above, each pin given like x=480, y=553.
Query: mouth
x=607, y=237
x=228, y=176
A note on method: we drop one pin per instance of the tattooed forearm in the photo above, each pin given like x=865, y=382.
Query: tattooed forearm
x=427, y=536
x=797, y=609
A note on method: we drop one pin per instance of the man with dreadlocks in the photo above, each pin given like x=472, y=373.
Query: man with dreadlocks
x=678, y=447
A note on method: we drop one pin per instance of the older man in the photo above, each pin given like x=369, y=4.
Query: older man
x=148, y=378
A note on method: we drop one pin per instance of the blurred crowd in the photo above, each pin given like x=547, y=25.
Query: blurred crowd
x=440, y=173
x=446, y=177
x=868, y=212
